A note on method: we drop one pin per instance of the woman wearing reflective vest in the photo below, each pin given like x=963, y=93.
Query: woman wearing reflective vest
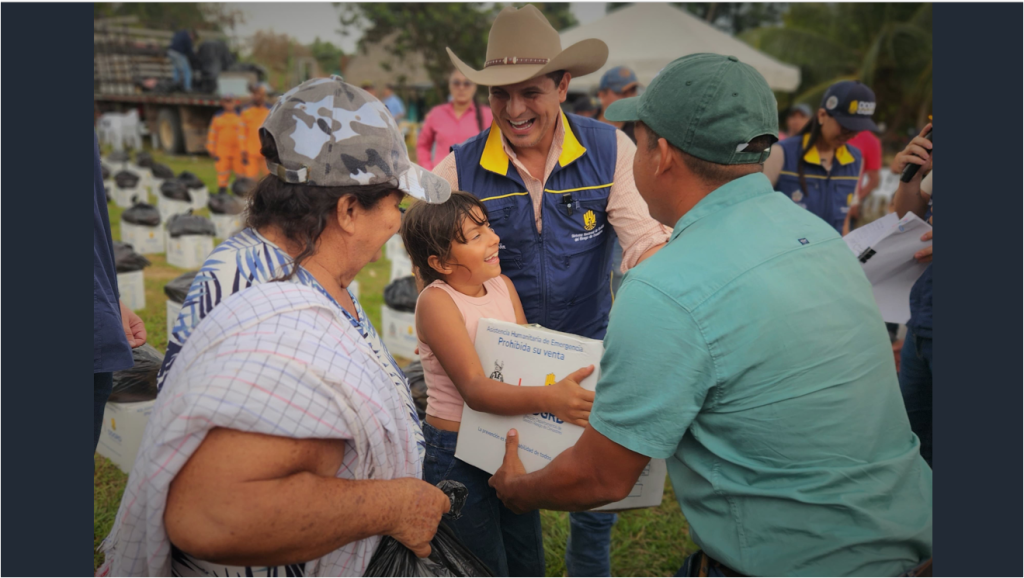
x=816, y=168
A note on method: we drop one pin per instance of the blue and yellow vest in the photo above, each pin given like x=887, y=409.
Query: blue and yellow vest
x=562, y=274
x=829, y=193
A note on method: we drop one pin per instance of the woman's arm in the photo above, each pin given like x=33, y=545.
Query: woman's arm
x=773, y=165
x=440, y=325
x=424, y=143
x=257, y=500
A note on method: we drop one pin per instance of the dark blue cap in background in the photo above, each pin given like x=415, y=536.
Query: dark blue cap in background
x=851, y=103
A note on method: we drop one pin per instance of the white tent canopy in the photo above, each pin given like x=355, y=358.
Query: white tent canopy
x=648, y=36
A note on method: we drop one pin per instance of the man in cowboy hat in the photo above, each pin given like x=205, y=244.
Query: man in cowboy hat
x=558, y=189
x=788, y=455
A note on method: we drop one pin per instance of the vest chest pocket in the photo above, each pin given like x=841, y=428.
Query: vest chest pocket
x=578, y=226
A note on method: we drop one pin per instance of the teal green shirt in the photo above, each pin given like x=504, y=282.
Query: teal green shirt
x=750, y=353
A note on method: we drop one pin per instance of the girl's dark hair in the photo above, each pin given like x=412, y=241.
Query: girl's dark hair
x=300, y=210
x=812, y=128
x=431, y=229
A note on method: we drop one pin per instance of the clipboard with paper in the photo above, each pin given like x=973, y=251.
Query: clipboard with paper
x=885, y=249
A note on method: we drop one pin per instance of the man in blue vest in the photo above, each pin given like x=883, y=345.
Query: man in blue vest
x=558, y=189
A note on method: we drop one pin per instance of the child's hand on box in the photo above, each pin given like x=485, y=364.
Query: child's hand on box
x=570, y=402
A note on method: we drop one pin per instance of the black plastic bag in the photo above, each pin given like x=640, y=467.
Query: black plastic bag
x=191, y=181
x=142, y=214
x=138, y=383
x=176, y=190
x=418, y=385
x=119, y=157
x=225, y=204
x=189, y=224
x=401, y=294
x=144, y=159
x=126, y=179
x=243, y=186
x=161, y=171
x=448, y=557
x=177, y=289
x=127, y=260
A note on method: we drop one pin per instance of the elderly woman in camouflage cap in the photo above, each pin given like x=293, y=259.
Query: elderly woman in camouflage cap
x=284, y=440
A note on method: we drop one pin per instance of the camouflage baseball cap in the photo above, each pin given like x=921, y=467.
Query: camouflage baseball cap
x=330, y=133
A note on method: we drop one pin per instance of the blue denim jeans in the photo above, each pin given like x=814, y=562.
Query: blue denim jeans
x=588, y=551
x=182, y=69
x=691, y=569
x=510, y=544
x=102, y=384
x=916, y=386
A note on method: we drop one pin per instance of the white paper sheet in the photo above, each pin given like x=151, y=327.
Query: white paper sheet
x=886, y=248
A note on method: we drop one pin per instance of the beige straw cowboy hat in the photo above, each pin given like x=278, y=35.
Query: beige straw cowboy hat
x=522, y=45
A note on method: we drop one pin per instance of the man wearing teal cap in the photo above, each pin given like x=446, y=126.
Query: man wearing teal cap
x=750, y=354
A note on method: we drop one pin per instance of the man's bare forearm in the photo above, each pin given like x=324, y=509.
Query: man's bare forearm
x=567, y=484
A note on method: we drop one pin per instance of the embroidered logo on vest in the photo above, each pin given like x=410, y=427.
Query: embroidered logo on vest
x=589, y=221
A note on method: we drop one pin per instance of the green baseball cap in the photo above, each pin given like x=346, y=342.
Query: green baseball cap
x=707, y=105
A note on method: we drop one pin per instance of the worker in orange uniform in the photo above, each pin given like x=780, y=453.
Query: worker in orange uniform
x=253, y=164
x=222, y=142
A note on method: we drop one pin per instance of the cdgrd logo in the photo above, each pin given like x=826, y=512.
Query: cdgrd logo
x=549, y=417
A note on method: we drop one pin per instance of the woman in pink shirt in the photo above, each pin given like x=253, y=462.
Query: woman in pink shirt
x=451, y=123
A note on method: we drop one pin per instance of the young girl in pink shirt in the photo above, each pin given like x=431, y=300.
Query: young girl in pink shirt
x=455, y=253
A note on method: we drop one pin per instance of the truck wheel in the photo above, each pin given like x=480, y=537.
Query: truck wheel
x=168, y=126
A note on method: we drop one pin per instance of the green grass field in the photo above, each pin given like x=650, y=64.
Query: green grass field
x=652, y=542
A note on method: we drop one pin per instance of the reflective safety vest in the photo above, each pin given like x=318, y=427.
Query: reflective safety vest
x=222, y=139
x=563, y=273
x=828, y=193
x=252, y=118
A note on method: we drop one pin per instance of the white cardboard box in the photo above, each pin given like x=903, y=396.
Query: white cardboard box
x=226, y=225
x=188, y=251
x=394, y=247
x=132, y=288
x=145, y=176
x=145, y=240
x=123, y=196
x=401, y=264
x=170, y=207
x=121, y=434
x=532, y=355
x=173, y=309
x=200, y=197
x=398, y=332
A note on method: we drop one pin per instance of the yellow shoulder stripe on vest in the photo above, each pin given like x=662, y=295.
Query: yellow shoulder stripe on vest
x=494, y=158
x=579, y=189
x=842, y=154
x=571, y=148
x=503, y=196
